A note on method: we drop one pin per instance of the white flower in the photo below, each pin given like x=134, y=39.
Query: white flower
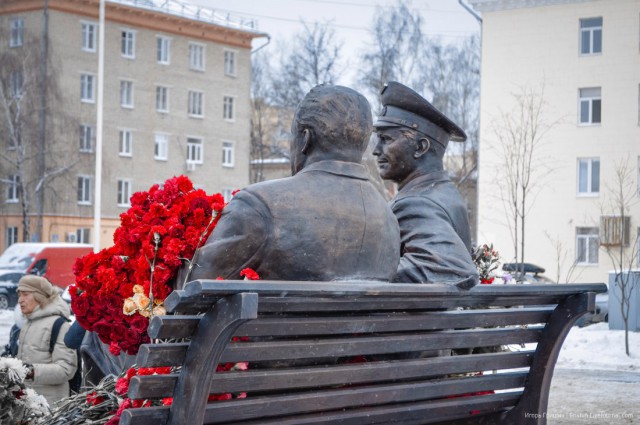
x=16, y=371
x=36, y=403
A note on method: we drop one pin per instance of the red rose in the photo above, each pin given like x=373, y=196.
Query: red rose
x=80, y=305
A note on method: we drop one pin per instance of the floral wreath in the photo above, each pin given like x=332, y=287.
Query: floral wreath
x=119, y=288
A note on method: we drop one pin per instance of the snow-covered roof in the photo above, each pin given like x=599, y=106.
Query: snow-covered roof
x=198, y=13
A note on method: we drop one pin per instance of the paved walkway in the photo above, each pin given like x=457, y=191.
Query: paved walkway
x=594, y=397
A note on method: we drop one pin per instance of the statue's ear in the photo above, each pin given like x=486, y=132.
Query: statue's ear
x=307, y=136
x=422, y=147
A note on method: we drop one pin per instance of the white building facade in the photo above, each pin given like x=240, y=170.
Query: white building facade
x=581, y=60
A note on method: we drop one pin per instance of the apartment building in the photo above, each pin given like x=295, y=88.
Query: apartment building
x=176, y=101
x=581, y=59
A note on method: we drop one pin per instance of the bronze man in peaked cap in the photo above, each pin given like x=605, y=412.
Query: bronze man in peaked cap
x=434, y=227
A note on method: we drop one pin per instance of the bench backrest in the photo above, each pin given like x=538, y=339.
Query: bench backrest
x=356, y=353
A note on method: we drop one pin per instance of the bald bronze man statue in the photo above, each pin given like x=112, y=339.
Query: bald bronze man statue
x=327, y=221
x=434, y=227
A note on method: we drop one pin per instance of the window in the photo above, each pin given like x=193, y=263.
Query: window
x=87, y=88
x=84, y=190
x=163, y=46
x=162, y=99
x=89, y=32
x=13, y=188
x=124, y=193
x=588, y=176
x=195, y=103
x=194, y=150
x=227, y=154
x=126, y=143
x=86, y=138
x=126, y=94
x=587, y=245
x=83, y=235
x=161, y=147
x=227, y=110
x=11, y=235
x=16, y=82
x=590, y=36
x=128, y=44
x=590, y=105
x=196, y=56
x=230, y=63
x=17, y=28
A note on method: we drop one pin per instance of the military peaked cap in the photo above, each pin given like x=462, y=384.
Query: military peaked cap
x=403, y=107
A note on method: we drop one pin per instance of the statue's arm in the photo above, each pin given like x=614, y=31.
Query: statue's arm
x=235, y=242
x=431, y=250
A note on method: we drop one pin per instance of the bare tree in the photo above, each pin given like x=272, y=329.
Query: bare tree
x=615, y=238
x=561, y=253
x=32, y=158
x=452, y=78
x=311, y=57
x=521, y=133
x=397, y=37
x=259, y=121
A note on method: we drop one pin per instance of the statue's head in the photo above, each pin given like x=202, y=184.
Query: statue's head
x=331, y=122
x=412, y=134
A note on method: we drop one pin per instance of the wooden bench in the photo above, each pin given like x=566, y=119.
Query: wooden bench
x=307, y=341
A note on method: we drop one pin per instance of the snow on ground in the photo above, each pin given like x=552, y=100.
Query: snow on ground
x=597, y=347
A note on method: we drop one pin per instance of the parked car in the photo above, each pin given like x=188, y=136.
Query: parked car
x=8, y=288
x=601, y=314
x=532, y=273
x=52, y=260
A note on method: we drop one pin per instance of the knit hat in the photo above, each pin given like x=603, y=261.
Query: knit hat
x=33, y=283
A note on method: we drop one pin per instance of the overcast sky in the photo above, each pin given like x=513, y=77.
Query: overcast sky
x=351, y=19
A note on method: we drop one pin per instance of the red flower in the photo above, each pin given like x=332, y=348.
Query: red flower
x=122, y=386
x=165, y=224
x=94, y=399
x=487, y=281
x=249, y=274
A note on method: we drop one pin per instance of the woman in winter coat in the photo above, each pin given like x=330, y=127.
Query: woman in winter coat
x=49, y=373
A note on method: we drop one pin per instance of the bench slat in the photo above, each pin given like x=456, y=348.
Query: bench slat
x=198, y=304
x=160, y=386
x=173, y=354
x=371, y=345
x=185, y=326
x=437, y=411
x=363, y=288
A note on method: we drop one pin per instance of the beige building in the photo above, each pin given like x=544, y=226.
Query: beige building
x=176, y=101
x=581, y=59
